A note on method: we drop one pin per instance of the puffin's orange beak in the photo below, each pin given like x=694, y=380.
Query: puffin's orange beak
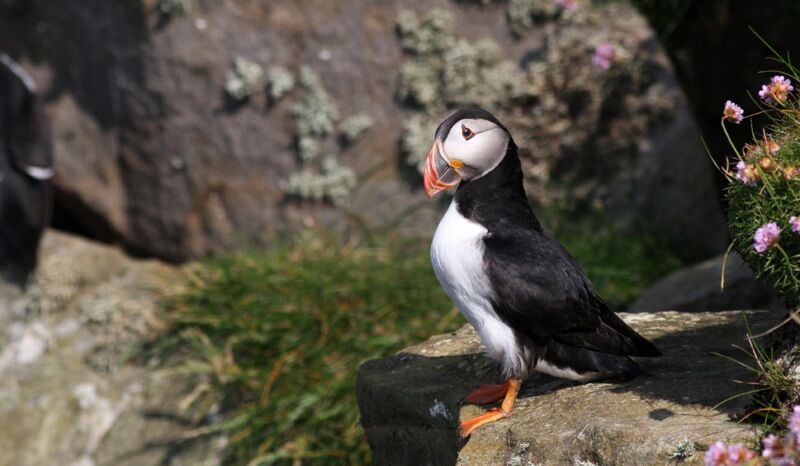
x=439, y=173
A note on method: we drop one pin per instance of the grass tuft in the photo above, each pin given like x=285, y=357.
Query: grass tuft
x=277, y=336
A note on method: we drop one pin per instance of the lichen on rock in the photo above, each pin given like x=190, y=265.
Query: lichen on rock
x=522, y=14
x=314, y=115
x=279, y=82
x=244, y=80
x=354, y=126
x=334, y=183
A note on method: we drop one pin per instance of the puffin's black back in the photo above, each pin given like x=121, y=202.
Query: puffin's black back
x=541, y=291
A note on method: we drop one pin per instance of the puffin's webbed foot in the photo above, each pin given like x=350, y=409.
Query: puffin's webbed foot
x=512, y=387
x=486, y=394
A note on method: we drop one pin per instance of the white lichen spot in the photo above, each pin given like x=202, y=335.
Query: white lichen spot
x=96, y=418
x=438, y=409
x=279, y=82
x=67, y=328
x=28, y=344
x=354, y=126
x=334, y=183
x=244, y=79
x=684, y=449
x=580, y=462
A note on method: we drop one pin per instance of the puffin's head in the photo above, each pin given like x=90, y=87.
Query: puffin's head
x=468, y=144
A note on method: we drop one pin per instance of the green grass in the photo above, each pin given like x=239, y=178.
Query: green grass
x=275, y=337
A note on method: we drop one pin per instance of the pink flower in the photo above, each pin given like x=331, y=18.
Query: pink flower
x=732, y=112
x=765, y=237
x=604, y=55
x=746, y=173
x=794, y=420
x=569, y=5
x=773, y=446
x=794, y=222
x=717, y=454
x=776, y=91
x=738, y=454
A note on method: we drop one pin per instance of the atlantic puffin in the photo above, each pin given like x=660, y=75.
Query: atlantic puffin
x=529, y=300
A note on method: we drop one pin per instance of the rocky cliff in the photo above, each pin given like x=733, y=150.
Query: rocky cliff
x=188, y=127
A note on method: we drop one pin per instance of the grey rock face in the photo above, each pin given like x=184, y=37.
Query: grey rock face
x=410, y=402
x=152, y=153
x=66, y=394
x=697, y=288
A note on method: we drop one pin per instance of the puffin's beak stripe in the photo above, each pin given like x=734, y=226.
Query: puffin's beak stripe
x=439, y=173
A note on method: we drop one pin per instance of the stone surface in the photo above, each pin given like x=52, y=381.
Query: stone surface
x=697, y=288
x=151, y=154
x=410, y=402
x=67, y=395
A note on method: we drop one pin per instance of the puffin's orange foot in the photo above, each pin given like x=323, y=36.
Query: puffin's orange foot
x=468, y=426
x=486, y=394
x=511, y=389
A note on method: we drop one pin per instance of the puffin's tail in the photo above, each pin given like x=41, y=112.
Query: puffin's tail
x=618, y=367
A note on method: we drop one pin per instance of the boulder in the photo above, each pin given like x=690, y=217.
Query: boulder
x=697, y=288
x=67, y=395
x=184, y=128
x=410, y=406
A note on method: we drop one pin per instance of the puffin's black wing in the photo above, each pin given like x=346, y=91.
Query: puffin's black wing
x=541, y=292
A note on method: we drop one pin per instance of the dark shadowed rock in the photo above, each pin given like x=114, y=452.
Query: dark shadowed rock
x=410, y=402
x=697, y=288
x=152, y=153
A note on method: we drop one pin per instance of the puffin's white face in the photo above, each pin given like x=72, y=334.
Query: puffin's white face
x=471, y=148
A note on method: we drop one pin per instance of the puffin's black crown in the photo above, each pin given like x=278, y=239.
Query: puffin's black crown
x=473, y=112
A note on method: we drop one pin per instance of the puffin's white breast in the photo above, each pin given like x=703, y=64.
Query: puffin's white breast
x=457, y=257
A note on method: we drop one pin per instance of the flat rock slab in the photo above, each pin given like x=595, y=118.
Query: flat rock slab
x=410, y=402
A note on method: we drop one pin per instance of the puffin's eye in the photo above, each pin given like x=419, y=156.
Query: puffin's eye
x=467, y=133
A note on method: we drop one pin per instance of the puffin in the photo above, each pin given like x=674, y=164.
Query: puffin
x=531, y=303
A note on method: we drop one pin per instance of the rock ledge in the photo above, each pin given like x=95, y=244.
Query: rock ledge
x=410, y=402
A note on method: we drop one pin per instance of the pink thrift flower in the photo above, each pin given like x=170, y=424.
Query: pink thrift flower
x=794, y=420
x=604, y=55
x=794, y=222
x=765, y=237
x=738, y=454
x=732, y=112
x=569, y=5
x=773, y=446
x=717, y=454
x=776, y=91
x=746, y=173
